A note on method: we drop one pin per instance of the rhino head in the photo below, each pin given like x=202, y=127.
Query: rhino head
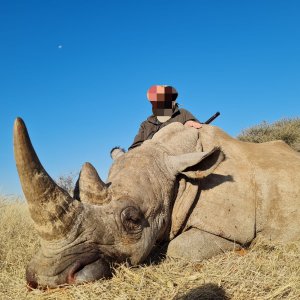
x=82, y=237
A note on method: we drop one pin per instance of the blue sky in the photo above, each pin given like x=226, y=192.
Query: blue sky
x=77, y=72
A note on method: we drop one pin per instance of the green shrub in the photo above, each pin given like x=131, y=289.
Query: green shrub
x=287, y=130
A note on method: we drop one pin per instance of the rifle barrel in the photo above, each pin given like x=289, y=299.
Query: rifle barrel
x=212, y=118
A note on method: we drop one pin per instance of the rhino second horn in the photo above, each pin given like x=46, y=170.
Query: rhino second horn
x=52, y=209
x=90, y=188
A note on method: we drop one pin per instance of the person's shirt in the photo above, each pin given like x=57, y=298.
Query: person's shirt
x=149, y=127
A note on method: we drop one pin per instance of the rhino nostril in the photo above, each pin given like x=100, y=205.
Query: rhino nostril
x=31, y=285
x=31, y=280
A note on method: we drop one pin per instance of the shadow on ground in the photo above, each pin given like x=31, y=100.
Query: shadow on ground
x=205, y=292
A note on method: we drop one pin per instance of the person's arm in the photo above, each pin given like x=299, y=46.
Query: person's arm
x=188, y=116
x=139, y=138
x=190, y=120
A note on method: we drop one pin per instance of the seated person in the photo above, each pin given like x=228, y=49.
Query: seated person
x=165, y=111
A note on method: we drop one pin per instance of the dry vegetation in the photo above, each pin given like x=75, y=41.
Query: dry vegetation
x=287, y=130
x=265, y=271
x=68, y=181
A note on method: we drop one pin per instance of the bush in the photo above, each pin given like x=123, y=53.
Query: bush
x=287, y=130
x=67, y=182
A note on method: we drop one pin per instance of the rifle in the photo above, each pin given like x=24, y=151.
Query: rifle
x=212, y=118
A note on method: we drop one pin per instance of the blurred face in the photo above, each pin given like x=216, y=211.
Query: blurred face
x=162, y=98
x=163, y=108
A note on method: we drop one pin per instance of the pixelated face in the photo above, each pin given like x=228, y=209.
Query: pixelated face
x=162, y=98
x=159, y=112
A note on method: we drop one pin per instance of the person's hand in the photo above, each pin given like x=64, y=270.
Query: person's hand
x=193, y=124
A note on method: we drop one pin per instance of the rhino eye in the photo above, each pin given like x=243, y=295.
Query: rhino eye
x=131, y=218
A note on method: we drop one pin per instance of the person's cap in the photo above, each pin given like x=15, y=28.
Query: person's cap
x=161, y=93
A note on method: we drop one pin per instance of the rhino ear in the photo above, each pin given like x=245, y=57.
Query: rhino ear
x=116, y=152
x=196, y=164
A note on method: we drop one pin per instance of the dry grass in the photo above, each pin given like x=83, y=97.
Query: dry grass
x=265, y=271
x=287, y=130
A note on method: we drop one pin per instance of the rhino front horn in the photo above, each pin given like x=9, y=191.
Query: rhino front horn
x=52, y=209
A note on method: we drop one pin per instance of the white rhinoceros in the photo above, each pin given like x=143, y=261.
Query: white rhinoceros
x=201, y=191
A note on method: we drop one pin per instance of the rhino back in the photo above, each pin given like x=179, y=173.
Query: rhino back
x=256, y=189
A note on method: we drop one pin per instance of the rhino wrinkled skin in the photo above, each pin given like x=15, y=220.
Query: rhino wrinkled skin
x=200, y=191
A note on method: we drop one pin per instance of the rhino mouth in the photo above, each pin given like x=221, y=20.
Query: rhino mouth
x=81, y=272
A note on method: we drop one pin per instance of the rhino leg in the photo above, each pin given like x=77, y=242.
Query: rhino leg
x=195, y=245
